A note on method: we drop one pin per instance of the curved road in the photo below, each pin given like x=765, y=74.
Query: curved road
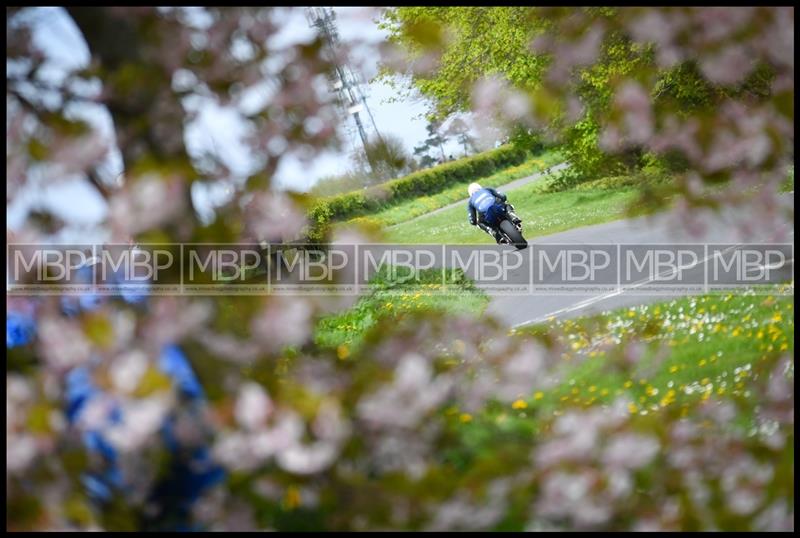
x=664, y=227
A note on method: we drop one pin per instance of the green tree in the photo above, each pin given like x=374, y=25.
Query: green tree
x=435, y=141
x=385, y=157
x=460, y=130
x=467, y=43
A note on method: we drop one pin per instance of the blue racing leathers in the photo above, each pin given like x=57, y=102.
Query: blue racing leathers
x=484, y=204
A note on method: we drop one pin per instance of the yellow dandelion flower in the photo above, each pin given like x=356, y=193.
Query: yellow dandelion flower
x=538, y=396
x=519, y=404
x=342, y=351
x=673, y=369
x=465, y=417
x=632, y=408
x=777, y=317
x=292, y=498
x=702, y=362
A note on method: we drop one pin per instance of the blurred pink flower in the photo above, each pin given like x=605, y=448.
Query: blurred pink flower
x=274, y=217
x=253, y=406
x=728, y=67
x=283, y=322
x=62, y=343
x=630, y=451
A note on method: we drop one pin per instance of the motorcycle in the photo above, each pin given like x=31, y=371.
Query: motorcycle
x=509, y=229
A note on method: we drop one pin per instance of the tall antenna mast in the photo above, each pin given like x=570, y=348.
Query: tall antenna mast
x=345, y=83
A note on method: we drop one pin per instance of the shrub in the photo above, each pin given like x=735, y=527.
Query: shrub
x=422, y=182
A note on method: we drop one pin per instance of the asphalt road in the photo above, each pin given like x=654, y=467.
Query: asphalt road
x=666, y=227
x=533, y=306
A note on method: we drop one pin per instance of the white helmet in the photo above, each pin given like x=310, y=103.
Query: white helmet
x=473, y=188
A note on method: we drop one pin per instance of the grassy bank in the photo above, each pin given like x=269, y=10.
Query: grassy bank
x=420, y=206
x=392, y=299
x=542, y=214
x=688, y=350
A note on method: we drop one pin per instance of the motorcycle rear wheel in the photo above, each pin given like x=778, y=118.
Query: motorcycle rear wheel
x=513, y=234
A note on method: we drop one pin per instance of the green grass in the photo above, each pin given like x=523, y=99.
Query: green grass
x=413, y=208
x=391, y=299
x=788, y=183
x=541, y=213
x=690, y=348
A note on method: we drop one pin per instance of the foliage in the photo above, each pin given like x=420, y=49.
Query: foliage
x=338, y=184
x=434, y=142
x=384, y=158
x=460, y=130
x=394, y=296
x=432, y=423
x=417, y=207
x=419, y=183
x=592, y=62
x=542, y=213
x=467, y=42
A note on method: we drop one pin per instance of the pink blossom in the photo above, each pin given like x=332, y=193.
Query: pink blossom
x=253, y=406
x=631, y=451
x=729, y=66
x=283, y=322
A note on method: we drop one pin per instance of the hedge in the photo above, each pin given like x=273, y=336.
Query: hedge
x=423, y=182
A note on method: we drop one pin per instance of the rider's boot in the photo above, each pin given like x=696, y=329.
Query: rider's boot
x=513, y=216
x=491, y=231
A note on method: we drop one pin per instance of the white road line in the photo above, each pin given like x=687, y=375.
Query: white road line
x=593, y=300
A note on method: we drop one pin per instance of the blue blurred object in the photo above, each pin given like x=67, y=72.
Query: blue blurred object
x=72, y=305
x=20, y=329
x=79, y=390
x=175, y=364
x=191, y=470
x=87, y=302
x=131, y=295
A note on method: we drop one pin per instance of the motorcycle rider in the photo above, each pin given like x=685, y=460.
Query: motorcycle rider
x=486, y=208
